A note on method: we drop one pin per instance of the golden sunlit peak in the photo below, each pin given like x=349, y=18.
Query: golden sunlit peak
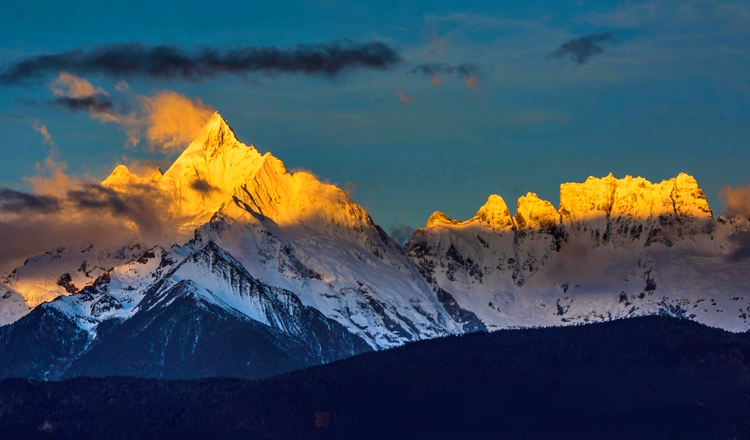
x=633, y=196
x=214, y=135
x=495, y=213
x=534, y=213
x=437, y=218
x=122, y=176
x=217, y=124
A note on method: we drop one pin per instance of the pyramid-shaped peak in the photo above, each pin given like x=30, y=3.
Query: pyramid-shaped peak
x=215, y=160
x=214, y=136
x=217, y=122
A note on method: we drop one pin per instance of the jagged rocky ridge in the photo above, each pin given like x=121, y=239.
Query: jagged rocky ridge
x=615, y=248
x=284, y=271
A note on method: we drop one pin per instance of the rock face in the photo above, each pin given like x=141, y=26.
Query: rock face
x=614, y=248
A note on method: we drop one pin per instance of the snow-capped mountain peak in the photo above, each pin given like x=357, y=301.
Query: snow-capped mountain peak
x=215, y=134
x=438, y=218
x=495, y=213
x=535, y=213
x=289, y=231
x=204, y=176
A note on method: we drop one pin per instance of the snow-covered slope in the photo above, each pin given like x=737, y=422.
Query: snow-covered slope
x=294, y=232
x=12, y=305
x=615, y=248
x=65, y=271
x=160, y=314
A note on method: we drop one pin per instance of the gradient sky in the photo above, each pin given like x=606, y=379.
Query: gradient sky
x=670, y=95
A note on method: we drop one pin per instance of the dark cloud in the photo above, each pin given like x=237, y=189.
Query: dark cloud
x=81, y=212
x=401, y=233
x=23, y=236
x=203, y=187
x=140, y=204
x=91, y=215
x=581, y=49
x=139, y=60
x=17, y=202
x=432, y=69
x=93, y=196
x=95, y=104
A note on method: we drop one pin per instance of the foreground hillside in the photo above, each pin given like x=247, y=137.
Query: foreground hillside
x=647, y=377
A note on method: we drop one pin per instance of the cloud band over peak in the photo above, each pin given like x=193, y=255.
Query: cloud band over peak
x=169, y=62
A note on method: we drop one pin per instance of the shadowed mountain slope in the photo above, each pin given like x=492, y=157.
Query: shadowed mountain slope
x=657, y=378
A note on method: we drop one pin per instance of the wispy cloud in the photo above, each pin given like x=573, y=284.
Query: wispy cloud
x=434, y=71
x=736, y=200
x=202, y=186
x=42, y=129
x=122, y=86
x=172, y=120
x=683, y=38
x=483, y=21
x=430, y=69
x=668, y=15
x=64, y=210
x=77, y=94
x=401, y=232
x=167, y=119
x=403, y=97
x=583, y=48
x=741, y=249
x=171, y=62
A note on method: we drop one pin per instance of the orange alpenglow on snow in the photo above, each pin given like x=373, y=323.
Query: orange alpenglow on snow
x=596, y=199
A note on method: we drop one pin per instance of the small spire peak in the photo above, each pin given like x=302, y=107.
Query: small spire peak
x=495, y=213
x=275, y=163
x=438, y=218
x=535, y=213
x=122, y=176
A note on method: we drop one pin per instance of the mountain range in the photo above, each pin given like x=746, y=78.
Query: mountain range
x=278, y=271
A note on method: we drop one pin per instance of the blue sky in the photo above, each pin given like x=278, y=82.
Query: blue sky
x=670, y=95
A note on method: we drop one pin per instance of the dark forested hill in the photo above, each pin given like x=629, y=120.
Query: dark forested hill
x=639, y=378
